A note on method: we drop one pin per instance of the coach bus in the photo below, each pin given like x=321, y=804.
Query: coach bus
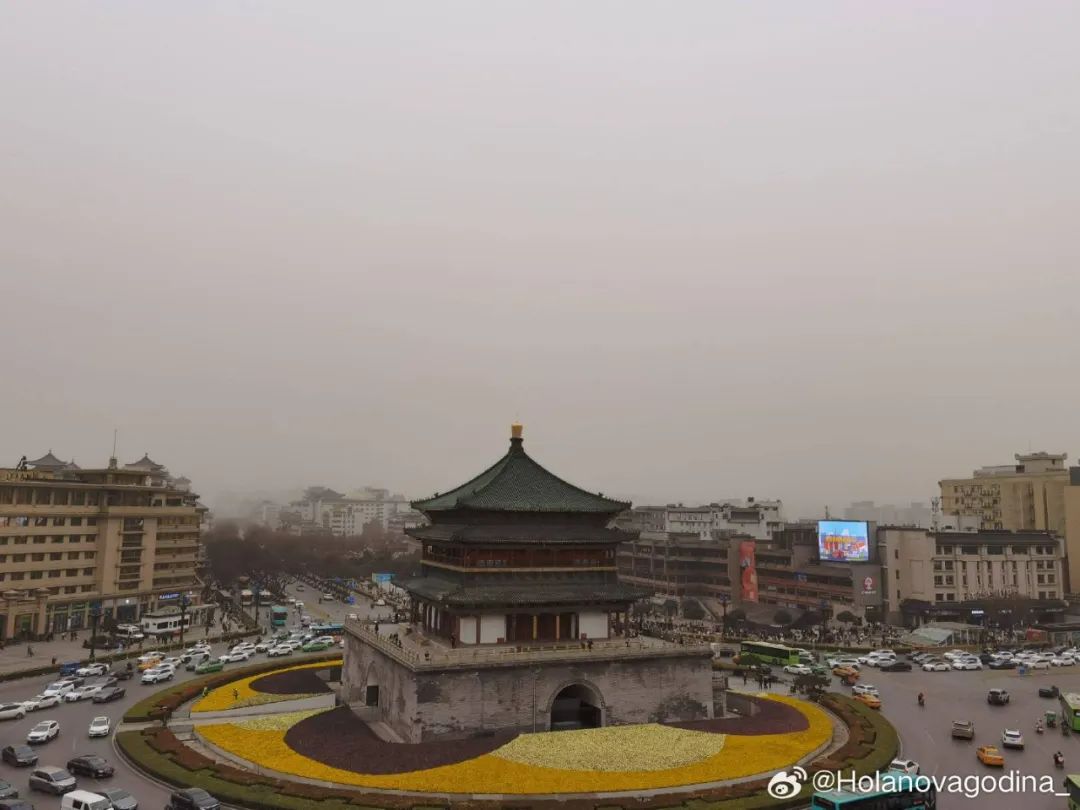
x=899, y=794
x=279, y=615
x=246, y=597
x=1070, y=710
x=776, y=654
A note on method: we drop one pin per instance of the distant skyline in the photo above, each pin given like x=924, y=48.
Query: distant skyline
x=820, y=253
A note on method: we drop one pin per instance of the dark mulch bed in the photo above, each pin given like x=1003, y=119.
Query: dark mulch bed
x=341, y=739
x=294, y=682
x=772, y=717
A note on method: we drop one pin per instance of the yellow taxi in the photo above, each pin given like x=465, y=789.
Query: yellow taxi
x=872, y=701
x=989, y=755
x=846, y=672
x=150, y=662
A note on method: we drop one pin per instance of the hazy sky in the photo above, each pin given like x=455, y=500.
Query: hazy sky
x=815, y=251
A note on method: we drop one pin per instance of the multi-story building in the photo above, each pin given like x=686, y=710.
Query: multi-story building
x=1026, y=496
x=342, y=515
x=788, y=573
x=125, y=540
x=884, y=514
x=930, y=574
x=753, y=518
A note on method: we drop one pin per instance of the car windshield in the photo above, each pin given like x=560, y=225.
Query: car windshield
x=23, y=750
x=116, y=795
x=41, y=727
x=198, y=794
x=93, y=760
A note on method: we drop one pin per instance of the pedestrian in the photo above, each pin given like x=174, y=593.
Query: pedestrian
x=54, y=661
x=235, y=694
x=744, y=677
x=29, y=651
x=206, y=691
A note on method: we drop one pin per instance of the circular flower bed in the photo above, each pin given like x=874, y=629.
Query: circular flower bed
x=246, y=691
x=622, y=758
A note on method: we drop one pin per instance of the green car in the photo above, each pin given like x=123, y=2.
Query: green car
x=315, y=646
x=209, y=666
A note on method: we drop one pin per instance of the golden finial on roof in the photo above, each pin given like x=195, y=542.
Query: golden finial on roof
x=515, y=430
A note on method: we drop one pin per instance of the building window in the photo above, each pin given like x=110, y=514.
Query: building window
x=17, y=575
x=76, y=521
x=72, y=572
x=35, y=574
x=56, y=555
x=88, y=571
x=59, y=521
x=37, y=557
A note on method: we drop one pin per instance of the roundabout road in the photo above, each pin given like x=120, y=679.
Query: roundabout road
x=925, y=733
x=74, y=719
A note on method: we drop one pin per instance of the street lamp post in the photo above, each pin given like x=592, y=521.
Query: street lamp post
x=724, y=599
x=184, y=604
x=95, y=617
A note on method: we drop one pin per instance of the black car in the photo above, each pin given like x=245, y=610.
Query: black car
x=111, y=693
x=897, y=666
x=19, y=755
x=997, y=697
x=192, y=799
x=90, y=765
x=123, y=674
x=1003, y=663
x=8, y=790
x=119, y=799
x=1049, y=691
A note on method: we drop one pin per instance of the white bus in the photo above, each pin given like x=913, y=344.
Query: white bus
x=166, y=622
x=246, y=597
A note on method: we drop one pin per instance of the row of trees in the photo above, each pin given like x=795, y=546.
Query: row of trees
x=693, y=610
x=233, y=551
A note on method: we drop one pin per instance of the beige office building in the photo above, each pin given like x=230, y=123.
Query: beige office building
x=938, y=573
x=1026, y=496
x=125, y=539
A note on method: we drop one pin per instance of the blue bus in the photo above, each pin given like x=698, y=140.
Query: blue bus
x=327, y=629
x=900, y=793
x=279, y=615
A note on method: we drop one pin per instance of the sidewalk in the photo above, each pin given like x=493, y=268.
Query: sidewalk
x=13, y=657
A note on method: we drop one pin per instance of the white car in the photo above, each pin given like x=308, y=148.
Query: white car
x=1012, y=738
x=330, y=640
x=231, y=657
x=1039, y=664
x=82, y=693
x=281, y=649
x=91, y=670
x=173, y=662
x=292, y=644
x=243, y=648
x=966, y=663
x=790, y=669
x=99, y=727
x=60, y=688
x=865, y=689
x=157, y=675
x=1062, y=661
x=43, y=732
x=936, y=666
x=12, y=711
x=908, y=766
x=263, y=646
x=41, y=702
x=353, y=617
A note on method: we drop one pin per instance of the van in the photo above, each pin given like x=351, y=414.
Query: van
x=84, y=800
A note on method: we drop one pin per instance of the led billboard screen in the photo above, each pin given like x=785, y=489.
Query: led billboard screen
x=843, y=541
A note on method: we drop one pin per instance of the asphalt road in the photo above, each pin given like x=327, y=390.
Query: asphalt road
x=925, y=732
x=74, y=719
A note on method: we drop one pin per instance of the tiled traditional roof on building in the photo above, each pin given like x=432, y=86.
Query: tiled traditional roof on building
x=145, y=463
x=516, y=483
x=47, y=462
x=519, y=533
x=455, y=594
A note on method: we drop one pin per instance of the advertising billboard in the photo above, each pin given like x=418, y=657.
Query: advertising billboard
x=748, y=571
x=843, y=541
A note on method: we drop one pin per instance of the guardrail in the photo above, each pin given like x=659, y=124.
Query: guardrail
x=416, y=655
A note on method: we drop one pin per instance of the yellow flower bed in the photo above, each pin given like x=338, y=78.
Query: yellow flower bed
x=282, y=721
x=222, y=698
x=648, y=747
x=491, y=773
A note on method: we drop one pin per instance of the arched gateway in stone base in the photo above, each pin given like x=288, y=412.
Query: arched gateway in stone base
x=576, y=705
x=519, y=620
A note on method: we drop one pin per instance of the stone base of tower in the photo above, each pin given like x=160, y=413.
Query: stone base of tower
x=424, y=691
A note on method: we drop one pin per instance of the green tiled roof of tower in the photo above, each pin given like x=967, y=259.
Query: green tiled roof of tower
x=517, y=483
